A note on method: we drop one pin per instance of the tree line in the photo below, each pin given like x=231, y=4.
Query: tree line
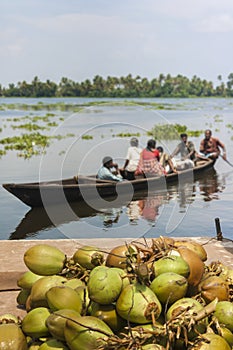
x=122, y=87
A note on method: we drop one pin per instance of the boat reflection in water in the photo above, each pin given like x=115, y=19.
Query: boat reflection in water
x=141, y=207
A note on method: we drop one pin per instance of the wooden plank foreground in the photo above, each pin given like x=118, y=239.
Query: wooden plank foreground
x=12, y=264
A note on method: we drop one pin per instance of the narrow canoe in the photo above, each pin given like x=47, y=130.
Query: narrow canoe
x=43, y=194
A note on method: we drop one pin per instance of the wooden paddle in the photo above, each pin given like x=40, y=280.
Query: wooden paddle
x=227, y=161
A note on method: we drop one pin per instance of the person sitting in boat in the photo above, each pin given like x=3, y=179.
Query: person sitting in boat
x=109, y=170
x=132, y=159
x=149, y=161
x=210, y=146
x=187, y=153
x=166, y=161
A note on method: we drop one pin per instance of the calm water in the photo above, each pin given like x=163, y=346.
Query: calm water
x=188, y=209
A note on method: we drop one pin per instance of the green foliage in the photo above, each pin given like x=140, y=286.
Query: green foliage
x=2, y=153
x=128, y=134
x=121, y=87
x=166, y=131
x=195, y=133
x=171, y=131
x=29, y=127
x=28, y=145
x=87, y=137
x=230, y=126
x=52, y=124
x=218, y=119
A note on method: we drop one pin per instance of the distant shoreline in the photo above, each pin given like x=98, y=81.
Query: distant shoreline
x=163, y=86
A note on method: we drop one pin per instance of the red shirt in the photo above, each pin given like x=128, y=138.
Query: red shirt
x=146, y=154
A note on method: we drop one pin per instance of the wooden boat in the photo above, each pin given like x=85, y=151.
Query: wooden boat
x=43, y=194
x=39, y=219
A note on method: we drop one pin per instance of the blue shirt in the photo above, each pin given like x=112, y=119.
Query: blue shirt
x=105, y=174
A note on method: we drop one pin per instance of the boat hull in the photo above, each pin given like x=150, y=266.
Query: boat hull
x=75, y=189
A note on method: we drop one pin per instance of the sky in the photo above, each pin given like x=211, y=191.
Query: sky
x=80, y=39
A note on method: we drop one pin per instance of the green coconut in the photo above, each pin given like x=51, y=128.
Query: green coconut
x=88, y=257
x=119, y=255
x=34, y=323
x=211, y=341
x=53, y=344
x=124, y=276
x=40, y=288
x=190, y=307
x=12, y=337
x=86, y=333
x=181, y=305
x=82, y=291
x=194, y=246
x=44, y=259
x=169, y=287
x=137, y=302
x=224, y=314
x=57, y=320
x=171, y=263
x=23, y=296
x=62, y=297
x=227, y=335
x=108, y=314
x=27, y=279
x=74, y=283
x=104, y=285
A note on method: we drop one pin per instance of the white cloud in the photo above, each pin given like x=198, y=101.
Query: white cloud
x=14, y=49
x=216, y=24
x=11, y=42
x=187, y=9
x=129, y=36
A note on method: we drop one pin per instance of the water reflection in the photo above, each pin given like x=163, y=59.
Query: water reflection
x=142, y=207
x=210, y=186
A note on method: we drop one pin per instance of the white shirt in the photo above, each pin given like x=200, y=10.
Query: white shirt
x=133, y=156
x=105, y=174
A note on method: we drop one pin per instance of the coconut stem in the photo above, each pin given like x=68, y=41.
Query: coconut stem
x=206, y=311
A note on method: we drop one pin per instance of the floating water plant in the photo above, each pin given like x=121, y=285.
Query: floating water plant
x=29, y=127
x=2, y=153
x=230, y=126
x=171, y=131
x=128, y=134
x=52, y=124
x=218, y=119
x=87, y=137
x=27, y=144
x=76, y=108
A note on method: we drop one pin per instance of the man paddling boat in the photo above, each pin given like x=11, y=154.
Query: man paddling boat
x=210, y=146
